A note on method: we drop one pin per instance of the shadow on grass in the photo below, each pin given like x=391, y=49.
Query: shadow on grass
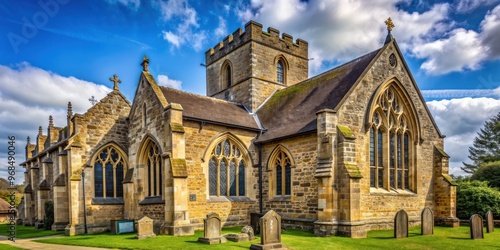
x=457, y=238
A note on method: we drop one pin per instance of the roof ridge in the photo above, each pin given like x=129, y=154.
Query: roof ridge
x=199, y=96
x=338, y=67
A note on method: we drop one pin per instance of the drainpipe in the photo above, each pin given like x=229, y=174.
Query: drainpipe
x=259, y=146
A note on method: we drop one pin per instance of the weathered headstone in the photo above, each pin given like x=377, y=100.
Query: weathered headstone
x=270, y=232
x=212, y=230
x=401, y=224
x=476, y=227
x=145, y=228
x=248, y=230
x=427, y=221
x=236, y=237
x=490, y=226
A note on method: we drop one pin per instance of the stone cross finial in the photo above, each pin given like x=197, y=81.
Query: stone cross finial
x=28, y=139
x=145, y=63
x=92, y=100
x=51, y=121
x=115, y=80
x=40, y=132
x=390, y=24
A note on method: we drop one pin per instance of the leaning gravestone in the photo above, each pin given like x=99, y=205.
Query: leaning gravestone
x=427, y=221
x=212, y=230
x=145, y=228
x=270, y=232
x=401, y=224
x=476, y=227
x=490, y=226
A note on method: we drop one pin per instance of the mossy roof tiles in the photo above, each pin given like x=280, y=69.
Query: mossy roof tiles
x=292, y=110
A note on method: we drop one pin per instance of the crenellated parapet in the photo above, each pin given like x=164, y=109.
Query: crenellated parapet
x=253, y=32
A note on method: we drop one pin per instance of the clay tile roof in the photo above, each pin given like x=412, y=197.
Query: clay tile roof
x=210, y=109
x=292, y=110
x=4, y=206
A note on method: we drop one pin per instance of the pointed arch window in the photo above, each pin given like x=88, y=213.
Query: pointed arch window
x=280, y=72
x=154, y=168
x=226, y=170
x=226, y=75
x=391, y=132
x=108, y=173
x=281, y=162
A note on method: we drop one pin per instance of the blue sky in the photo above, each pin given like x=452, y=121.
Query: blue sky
x=55, y=51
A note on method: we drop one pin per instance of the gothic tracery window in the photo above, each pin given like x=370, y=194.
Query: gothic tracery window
x=226, y=170
x=108, y=173
x=390, y=142
x=283, y=169
x=154, y=169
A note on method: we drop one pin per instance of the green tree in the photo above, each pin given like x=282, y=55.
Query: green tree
x=489, y=172
x=486, y=145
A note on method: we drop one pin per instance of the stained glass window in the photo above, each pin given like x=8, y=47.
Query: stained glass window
x=226, y=164
x=108, y=173
x=212, y=173
x=389, y=134
x=98, y=186
x=279, y=178
x=288, y=179
x=232, y=179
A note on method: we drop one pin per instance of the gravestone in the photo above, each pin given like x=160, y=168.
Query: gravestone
x=476, y=227
x=270, y=232
x=236, y=237
x=145, y=228
x=212, y=230
x=490, y=226
x=401, y=224
x=427, y=221
x=248, y=230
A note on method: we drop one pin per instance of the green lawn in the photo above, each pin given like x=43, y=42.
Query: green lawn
x=9, y=247
x=24, y=232
x=443, y=238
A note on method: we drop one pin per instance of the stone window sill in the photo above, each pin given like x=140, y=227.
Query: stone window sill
x=392, y=192
x=107, y=201
x=281, y=198
x=228, y=199
x=152, y=200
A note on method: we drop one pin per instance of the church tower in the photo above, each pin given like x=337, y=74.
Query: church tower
x=247, y=67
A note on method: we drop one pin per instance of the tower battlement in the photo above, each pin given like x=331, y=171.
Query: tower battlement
x=253, y=32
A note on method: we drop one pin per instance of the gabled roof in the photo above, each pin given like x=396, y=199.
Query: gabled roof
x=292, y=110
x=212, y=110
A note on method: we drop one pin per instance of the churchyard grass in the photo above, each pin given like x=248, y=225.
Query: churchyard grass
x=443, y=238
x=9, y=247
x=24, y=232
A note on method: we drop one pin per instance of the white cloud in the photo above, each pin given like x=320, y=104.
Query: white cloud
x=221, y=30
x=132, y=4
x=469, y=5
x=187, y=28
x=167, y=82
x=29, y=95
x=490, y=32
x=460, y=120
x=336, y=31
x=461, y=50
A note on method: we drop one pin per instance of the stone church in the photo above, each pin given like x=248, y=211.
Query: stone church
x=338, y=153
